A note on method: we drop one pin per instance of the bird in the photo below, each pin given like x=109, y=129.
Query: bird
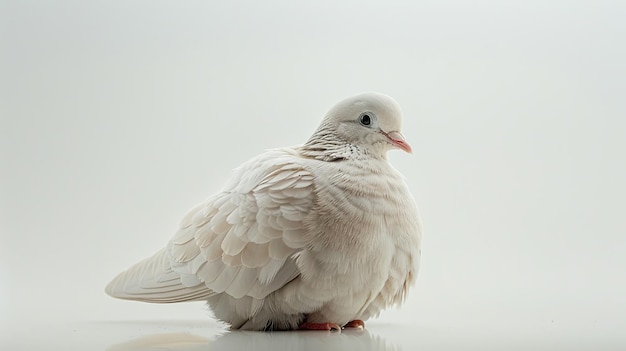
x=318, y=236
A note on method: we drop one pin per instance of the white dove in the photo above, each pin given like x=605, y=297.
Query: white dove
x=320, y=236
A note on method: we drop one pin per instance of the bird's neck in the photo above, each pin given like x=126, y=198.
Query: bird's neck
x=326, y=145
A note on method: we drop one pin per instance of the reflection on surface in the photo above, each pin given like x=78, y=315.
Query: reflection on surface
x=245, y=340
x=303, y=340
x=171, y=341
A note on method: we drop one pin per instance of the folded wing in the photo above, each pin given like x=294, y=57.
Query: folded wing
x=240, y=241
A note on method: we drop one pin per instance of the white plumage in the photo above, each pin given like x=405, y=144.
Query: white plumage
x=315, y=236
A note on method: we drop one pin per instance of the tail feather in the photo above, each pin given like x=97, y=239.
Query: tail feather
x=152, y=280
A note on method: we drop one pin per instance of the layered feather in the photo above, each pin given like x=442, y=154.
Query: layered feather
x=239, y=242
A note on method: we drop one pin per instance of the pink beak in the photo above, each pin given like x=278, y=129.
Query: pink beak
x=397, y=139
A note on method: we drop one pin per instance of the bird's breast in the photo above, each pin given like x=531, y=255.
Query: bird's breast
x=356, y=208
x=363, y=233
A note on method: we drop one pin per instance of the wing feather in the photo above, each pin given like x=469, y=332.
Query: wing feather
x=255, y=255
x=270, y=270
x=232, y=244
x=152, y=280
x=209, y=272
x=213, y=251
x=233, y=261
x=279, y=250
x=243, y=282
x=225, y=278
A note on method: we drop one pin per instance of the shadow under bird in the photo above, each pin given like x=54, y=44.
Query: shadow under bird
x=319, y=236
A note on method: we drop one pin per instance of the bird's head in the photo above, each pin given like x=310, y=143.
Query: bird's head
x=368, y=123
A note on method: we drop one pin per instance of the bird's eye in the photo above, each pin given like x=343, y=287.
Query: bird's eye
x=365, y=120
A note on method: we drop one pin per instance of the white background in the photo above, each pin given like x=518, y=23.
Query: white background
x=119, y=116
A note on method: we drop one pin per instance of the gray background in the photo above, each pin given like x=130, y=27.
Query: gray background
x=119, y=116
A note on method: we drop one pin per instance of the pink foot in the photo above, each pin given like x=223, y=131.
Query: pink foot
x=357, y=323
x=320, y=326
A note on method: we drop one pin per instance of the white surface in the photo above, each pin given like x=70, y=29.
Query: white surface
x=162, y=334
x=111, y=112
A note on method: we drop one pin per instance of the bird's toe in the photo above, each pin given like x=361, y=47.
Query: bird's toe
x=357, y=323
x=320, y=326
